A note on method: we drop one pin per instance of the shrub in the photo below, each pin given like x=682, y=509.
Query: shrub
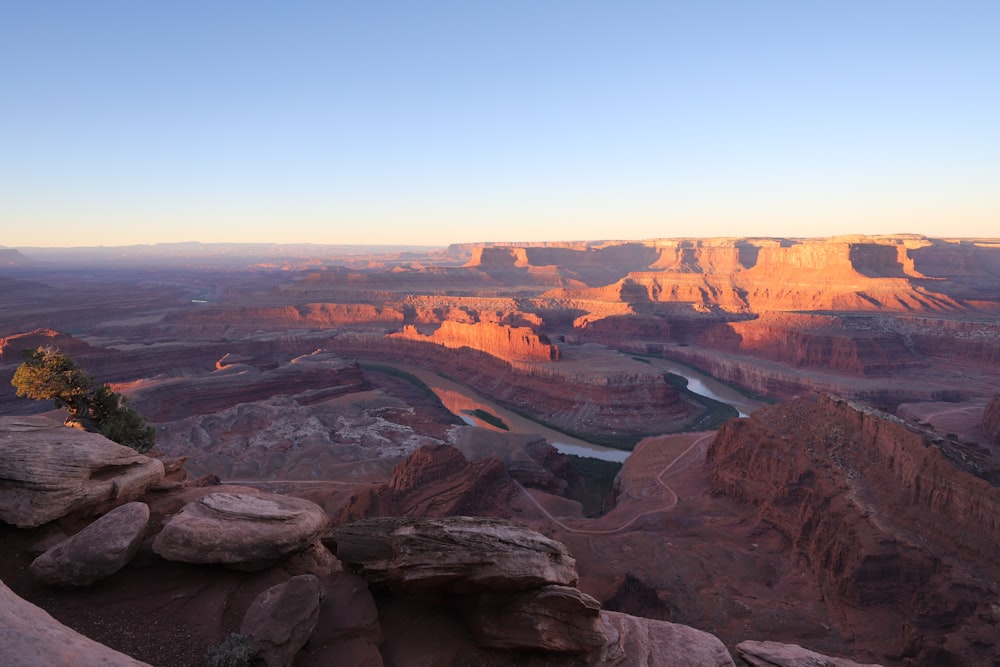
x=234, y=651
x=47, y=373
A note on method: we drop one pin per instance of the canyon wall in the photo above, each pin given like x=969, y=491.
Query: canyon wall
x=617, y=406
x=817, y=341
x=501, y=341
x=991, y=420
x=883, y=518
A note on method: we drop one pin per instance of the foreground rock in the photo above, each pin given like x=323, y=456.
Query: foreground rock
x=249, y=531
x=48, y=470
x=280, y=620
x=644, y=642
x=97, y=551
x=775, y=654
x=29, y=637
x=552, y=618
x=453, y=555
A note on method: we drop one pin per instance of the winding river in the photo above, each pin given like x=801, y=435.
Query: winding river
x=460, y=400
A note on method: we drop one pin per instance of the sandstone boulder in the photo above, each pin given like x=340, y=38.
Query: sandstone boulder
x=48, y=470
x=452, y=555
x=249, y=531
x=775, y=654
x=97, y=551
x=644, y=642
x=29, y=637
x=553, y=618
x=280, y=620
x=349, y=629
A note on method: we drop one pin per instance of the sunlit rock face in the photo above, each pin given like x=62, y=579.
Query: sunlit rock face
x=501, y=341
x=885, y=519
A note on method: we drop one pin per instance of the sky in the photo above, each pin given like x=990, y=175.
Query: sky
x=433, y=122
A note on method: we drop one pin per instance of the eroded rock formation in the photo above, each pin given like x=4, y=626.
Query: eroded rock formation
x=457, y=554
x=437, y=481
x=239, y=529
x=48, y=470
x=498, y=340
x=885, y=520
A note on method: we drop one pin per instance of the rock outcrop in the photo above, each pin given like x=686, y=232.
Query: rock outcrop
x=99, y=550
x=644, y=642
x=991, y=420
x=511, y=592
x=280, y=620
x=30, y=637
x=497, y=340
x=888, y=524
x=240, y=530
x=550, y=618
x=775, y=654
x=455, y=555
x=48, y=470
x=437, y=481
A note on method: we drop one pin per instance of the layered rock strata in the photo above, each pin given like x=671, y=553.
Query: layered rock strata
x=457, y=555
x=437, y=481
x=497, y=340
x=887, y=523
x=48, y=470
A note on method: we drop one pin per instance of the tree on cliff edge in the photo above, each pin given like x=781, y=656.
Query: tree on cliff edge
x=48, y=374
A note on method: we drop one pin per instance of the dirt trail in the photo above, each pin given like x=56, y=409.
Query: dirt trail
x=659, y=480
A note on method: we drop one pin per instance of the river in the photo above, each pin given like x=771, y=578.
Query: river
x=460, y=400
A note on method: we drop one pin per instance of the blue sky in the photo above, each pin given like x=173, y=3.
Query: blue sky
x=435, y=122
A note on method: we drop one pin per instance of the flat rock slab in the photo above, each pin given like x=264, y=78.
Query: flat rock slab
x=48, y=470
x=452, y=555
x=97, y=551
x=251, y=530
x=29, y=637
x=776, y=654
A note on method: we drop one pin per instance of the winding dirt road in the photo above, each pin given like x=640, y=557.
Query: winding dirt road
x=659, y=480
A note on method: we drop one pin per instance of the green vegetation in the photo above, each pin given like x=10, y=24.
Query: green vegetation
x=48, y=374
x=234, y=651
x=487, y=417
x=597, y=483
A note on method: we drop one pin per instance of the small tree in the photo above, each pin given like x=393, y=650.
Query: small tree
x=48, y=374
x=117, y=421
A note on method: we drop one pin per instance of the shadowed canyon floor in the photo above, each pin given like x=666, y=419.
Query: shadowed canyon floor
x=327, y=376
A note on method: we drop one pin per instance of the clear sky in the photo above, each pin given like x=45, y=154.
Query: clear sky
x=433, y=122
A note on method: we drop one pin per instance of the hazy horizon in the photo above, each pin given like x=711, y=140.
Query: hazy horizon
x=449, y=122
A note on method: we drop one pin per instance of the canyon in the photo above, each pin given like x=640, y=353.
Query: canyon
x=854, y=511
